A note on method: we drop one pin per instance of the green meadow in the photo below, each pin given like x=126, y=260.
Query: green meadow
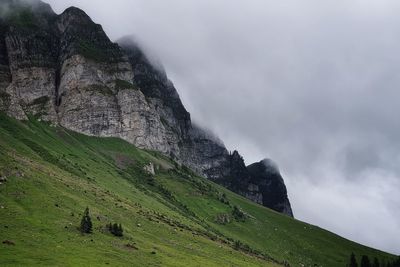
x=172, y=218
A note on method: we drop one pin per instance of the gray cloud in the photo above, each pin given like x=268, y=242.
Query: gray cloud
x=7, y=5
x=310, y=84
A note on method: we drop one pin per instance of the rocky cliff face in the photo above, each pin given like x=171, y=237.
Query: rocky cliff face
x=266, y=177
x=65, y=70
x=260, y=182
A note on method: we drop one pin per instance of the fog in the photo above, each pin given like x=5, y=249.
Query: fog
x=314, y=85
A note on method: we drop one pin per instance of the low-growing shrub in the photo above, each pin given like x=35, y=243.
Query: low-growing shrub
x=239, y=214
x=222, y=218
x=223, y=198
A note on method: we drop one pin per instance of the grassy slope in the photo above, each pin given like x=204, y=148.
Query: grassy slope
x=53, y=174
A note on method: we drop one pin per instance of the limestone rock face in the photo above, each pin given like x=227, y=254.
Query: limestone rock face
x=30, y=45
x=65, y=70
x=204, y=152
x=5, y=75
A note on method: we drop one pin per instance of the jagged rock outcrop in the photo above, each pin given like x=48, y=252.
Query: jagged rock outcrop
x=260, y=182
x=266, y=177
x=65, y=70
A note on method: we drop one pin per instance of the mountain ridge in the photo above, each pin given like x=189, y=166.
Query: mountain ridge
x=65, y=70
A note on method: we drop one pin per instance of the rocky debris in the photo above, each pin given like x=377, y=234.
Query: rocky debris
x=222, y=218
x=63, y=69
x=131, y=246
x=3, y=179
x=149, y=168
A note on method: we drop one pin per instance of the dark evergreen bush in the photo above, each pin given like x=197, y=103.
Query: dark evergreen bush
x=224, y=199
x=238, y=214
x=115, y=229
x=353, y=261
x=376, y=263
x=86, y=223
x=365, y=261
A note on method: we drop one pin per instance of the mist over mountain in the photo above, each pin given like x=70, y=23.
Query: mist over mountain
x=317, y=80
x=65, y=70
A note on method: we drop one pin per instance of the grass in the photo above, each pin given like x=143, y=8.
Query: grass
x=168, y=220
x=121, y=85
x=42, y=101
x=102, y=89
x=91, y=51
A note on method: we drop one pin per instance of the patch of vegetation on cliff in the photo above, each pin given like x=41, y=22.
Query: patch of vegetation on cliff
x=41, y=100
x=164, y=121
x=4, y=98
x=41, y=103
x=90, y=51
x=122, y=85
x=98, y=88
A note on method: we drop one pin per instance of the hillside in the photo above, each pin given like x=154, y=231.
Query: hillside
x=172, y=218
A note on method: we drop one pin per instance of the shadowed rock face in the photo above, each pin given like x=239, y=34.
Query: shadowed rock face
x=265, y=174
x=65, y=70
x=260, y=182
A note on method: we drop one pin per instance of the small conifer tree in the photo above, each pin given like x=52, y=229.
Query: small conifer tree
x=376, y=263
x=353, y=261
x=397, y=262
x=86, y=223
x=115, y=229
x=120, y=230
x=365, y=261
x=239, y=214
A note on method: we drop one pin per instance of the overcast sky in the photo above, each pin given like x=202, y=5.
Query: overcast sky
x=314, y=85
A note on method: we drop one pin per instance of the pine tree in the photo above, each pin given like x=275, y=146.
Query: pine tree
x=365, y=261
x=376, y=263
x=86, y=223
x=120, y=230
x=397, y=262
x=115, y=229
x=353, y=261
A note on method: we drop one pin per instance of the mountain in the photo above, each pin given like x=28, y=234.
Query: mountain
x=86, y=123
x=170, y=216
x=63, y=69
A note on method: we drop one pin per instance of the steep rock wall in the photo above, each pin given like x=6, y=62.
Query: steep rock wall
x=65, y=70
